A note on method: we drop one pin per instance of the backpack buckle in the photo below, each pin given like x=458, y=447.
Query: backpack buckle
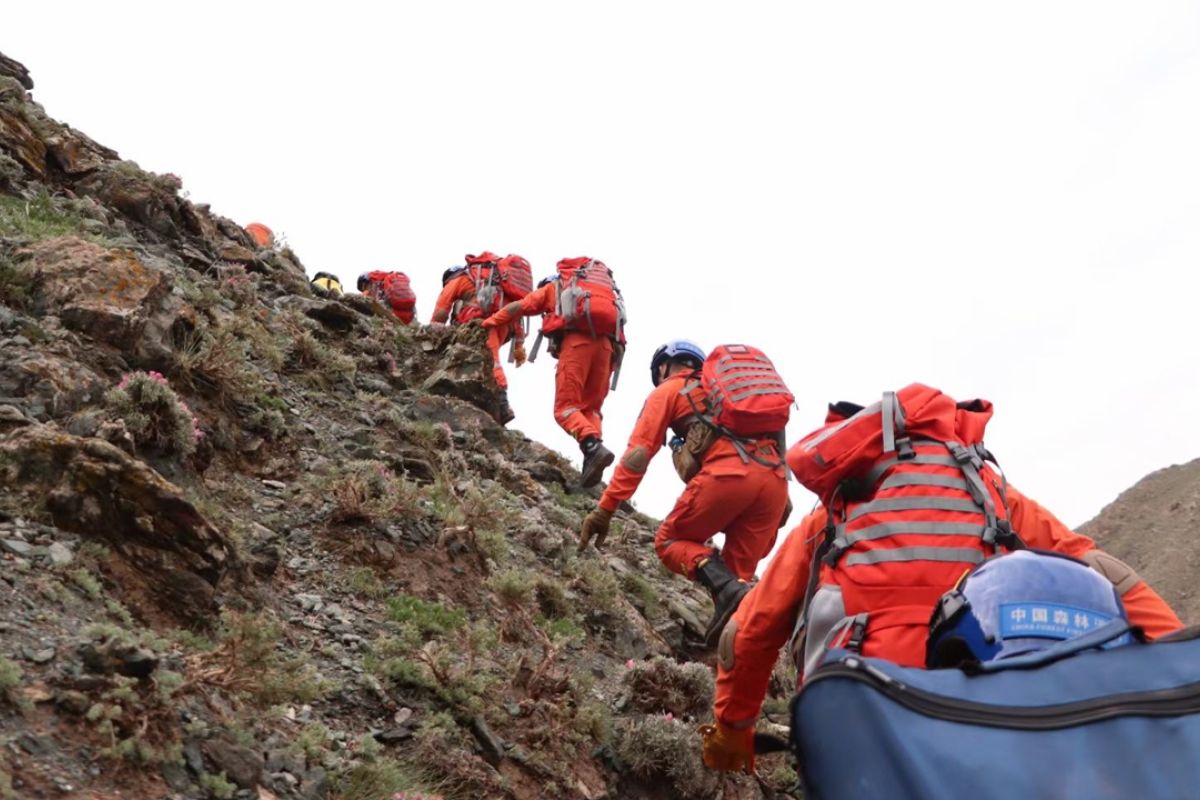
x=858, y=632
x=904, y=448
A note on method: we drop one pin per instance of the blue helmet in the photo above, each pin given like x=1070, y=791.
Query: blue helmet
x=549, y=279
x=450, y=273
x=680, y=350
x=1017, y=602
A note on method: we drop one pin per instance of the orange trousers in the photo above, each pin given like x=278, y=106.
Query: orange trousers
x=496, y=339
x=585, y=366
x=744, y=501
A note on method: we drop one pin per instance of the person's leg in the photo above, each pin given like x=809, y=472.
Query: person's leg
x=494, y=342
x=569, y=382
x=706, y=507
x=596, y=384
x=750, y=536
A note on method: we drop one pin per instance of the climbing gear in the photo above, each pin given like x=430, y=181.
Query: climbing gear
x=327, y=282
x=596, y=458
x=518, y=353
x=1016, y=603
x=587, y=300
x=912, y=502
x=1070, y=720
x=727, y=593
x=745, y=400
x=486, y=297
x=595, y=525
x=516, y=277
x=727, y=748
x=261, y=234
x=688, y=455
x=681, y=351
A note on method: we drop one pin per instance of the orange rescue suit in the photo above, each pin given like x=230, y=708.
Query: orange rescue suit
x=743, y=500
x=461, y=288
x=585, y=365
x=767, y=616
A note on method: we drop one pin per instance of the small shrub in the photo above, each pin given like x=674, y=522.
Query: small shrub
x=552, y=598
x=664, y=685
x=87, y=582
x=42, y=217
x=599, y=582
x=384, y=778
x=217, y=786
x=312, y=739
x=594, y=719
x=10, y=678
x=641, y=588
x=154, y=414
x=368, y=490
x=248, y=645
x=428, y=618
x=658, y=748
x=365, y=583
x=514, y=587
x=494, y=544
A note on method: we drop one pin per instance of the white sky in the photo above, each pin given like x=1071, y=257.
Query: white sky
x=1000, y=200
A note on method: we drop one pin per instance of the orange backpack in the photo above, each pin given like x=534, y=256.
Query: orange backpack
x=913, y=502
x=516, y=277
x=488, y=297
x=588, y=301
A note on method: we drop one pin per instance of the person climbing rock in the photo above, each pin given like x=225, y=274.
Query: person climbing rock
x=910, y=504
x=583, y=317
x=736, y=482
x=477, y=290
x=394, y=290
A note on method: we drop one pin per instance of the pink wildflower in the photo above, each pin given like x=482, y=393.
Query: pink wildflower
x=629, y=664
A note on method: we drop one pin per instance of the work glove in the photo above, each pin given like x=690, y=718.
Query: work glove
x=594, y=524
x=728, y=749
x=519, y=357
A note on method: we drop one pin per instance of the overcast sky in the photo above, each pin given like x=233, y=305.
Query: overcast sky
x=1000, y=200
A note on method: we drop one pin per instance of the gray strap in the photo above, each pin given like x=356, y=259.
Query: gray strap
x=923, y=479
x=920, y=458
x=888, y=412
x=537, y=343
x=964, y=554
x=887, y=529
x=729, y=363
x=914, y=504
x=970, y=463
x=752, y=392
x=757, y=380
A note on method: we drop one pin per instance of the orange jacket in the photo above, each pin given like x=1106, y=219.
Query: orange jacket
x=767, y=616
x=539, y=301
x=462, y=288
x=667, y=405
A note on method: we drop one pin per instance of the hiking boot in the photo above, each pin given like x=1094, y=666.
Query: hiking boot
x=727, y=593
x=596, y=458
x=507, y=414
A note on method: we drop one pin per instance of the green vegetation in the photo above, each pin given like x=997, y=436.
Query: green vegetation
x=365, y=583
x=657, y=748
x=514, y=587
x=10, y=678
x=42, y=217
x=154, y=414
x=428, y=618
x=643, y=590
x=218, y=786
x=377, y=778
x=664, y=685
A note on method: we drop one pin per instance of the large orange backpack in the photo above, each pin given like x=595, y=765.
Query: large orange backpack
x=913, y=502
x=395, y=289
x=588, y=301
x=516, y=277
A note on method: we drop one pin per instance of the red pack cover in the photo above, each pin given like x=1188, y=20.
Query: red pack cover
x=516, y=277
x=588, y=299
x=398, y=292
x=849, y=447
x=746, y=396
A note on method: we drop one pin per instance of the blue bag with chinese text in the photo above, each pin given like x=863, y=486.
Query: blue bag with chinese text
x=1069, y=721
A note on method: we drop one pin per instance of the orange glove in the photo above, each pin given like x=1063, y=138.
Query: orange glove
x=728, y=749
x=519, y=356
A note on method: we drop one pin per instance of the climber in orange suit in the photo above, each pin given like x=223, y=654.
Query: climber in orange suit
x=457, y=305
x=581, y=381
x=744, y=498
x=767, y=617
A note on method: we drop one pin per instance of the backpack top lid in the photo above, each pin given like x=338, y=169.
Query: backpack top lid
x=486, y=257
x=1018, y=602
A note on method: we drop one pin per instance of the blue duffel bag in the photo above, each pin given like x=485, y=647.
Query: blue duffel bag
x=1069, y=721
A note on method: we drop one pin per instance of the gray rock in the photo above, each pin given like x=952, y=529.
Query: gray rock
x=242, y=765
x=270, y=484
x=310, y=602
x=315, y=784
x=17, y=548
x=285, y=761
x=40, y=656
x=60, y=555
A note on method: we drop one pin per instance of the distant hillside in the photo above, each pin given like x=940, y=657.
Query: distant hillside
x=1155, y=527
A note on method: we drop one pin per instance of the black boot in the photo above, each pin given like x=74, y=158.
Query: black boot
x=505, y=410
x=596, y=458
x=727, y=593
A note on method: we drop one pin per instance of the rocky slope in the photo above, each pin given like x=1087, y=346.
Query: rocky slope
x=1153, y=526
x=260, y=544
